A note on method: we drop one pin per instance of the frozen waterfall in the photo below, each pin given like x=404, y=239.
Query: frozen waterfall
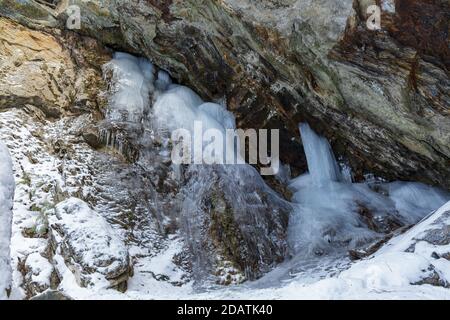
x=331, y=214
x=132, y=79
x=334, y=214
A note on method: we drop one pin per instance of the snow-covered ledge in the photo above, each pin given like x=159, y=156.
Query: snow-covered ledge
x=6, y=204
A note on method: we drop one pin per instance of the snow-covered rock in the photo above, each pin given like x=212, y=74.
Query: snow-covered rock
x=6, y=204
x=414, y=265
x=90, y=247
x=428, y=242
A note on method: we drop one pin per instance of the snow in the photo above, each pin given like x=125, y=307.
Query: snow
x=6, y=204
x=388, y=274
x=41, y=269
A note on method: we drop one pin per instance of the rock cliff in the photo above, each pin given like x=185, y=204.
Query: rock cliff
x=380, y=96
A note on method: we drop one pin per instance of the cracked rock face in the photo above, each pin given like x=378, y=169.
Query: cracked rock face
x=381, y=97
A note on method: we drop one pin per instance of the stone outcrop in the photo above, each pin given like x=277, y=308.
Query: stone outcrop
x=380, y=96
x=430, y=239
x=41, y=70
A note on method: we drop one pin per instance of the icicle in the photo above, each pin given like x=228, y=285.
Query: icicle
x=322, y=164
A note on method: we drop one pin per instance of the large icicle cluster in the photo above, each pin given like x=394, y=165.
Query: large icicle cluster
x=135, y=87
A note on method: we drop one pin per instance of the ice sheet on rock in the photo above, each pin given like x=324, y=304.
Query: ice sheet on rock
x=322, y=165
x=177, y=109
x=6, y=204
x=181, y=108
x=163, y=81
x=219, y=113
x=255, y=215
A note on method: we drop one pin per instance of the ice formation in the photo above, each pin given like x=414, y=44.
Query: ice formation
x=175, y=106
x=6, y=203
x=322, y=164
x=330, y=210
x=133, y=82
x=242, y=189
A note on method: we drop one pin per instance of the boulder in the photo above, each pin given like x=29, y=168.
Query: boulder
x=91, y=248
x=235, y=226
